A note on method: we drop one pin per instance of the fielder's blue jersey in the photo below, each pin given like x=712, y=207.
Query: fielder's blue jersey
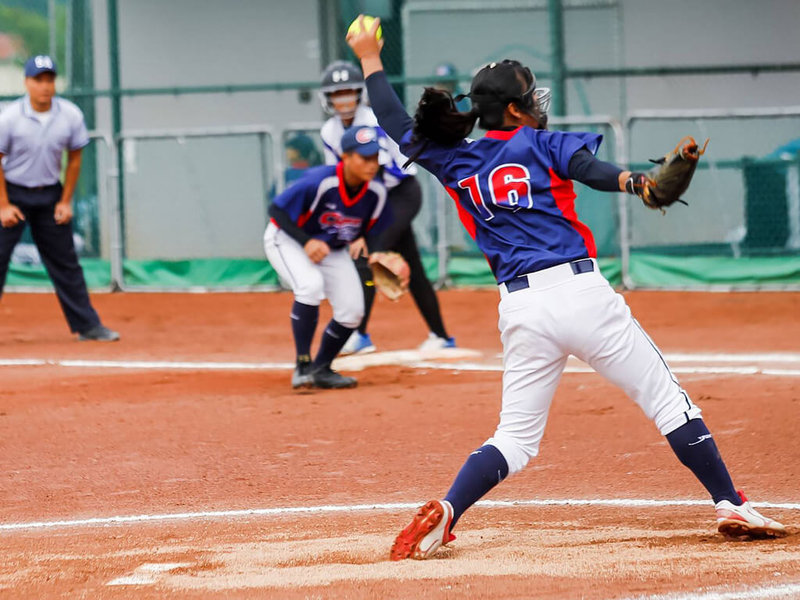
x=320, y=205
x=514, y=196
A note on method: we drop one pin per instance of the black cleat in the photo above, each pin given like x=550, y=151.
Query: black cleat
x=301, y=378
x=327, y=378
x=98, y=333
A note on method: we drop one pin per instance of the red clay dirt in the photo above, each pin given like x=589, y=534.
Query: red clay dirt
x=92, y=442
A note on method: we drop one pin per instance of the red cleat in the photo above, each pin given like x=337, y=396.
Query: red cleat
x=736, y=521
x=428, y=530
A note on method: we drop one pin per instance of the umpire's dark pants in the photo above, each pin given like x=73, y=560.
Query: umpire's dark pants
x=56, y=248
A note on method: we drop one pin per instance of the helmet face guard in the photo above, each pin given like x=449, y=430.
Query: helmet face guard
x=344, y=105
x=543, y=97
x=338, y=76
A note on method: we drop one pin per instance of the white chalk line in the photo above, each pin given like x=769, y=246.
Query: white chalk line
x=789, y=590
x=148, y=573
x=348, y=508
x=425, y=360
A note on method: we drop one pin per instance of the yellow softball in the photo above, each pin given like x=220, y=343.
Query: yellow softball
x=355, y=26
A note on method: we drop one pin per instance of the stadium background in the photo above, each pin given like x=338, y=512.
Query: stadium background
x=179, y=462
x=193, y=106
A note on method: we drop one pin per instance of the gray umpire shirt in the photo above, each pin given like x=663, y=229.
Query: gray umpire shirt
x=32, y=150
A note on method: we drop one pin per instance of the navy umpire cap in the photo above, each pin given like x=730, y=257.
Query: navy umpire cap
x=363, y=140
x=41, y=63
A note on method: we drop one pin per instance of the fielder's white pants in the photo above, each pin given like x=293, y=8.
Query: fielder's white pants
x=335, y=277
x=562, y=313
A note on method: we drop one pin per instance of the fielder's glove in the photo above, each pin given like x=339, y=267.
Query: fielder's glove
x=391, y=273
x=663, y=185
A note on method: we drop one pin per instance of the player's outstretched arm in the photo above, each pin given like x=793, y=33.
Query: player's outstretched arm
x=390, y=112
x=597, y=174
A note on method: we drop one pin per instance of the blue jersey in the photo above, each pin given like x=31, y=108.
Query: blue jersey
x=514, y=196
x=320, y=205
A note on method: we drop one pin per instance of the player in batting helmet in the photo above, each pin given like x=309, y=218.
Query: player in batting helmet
x=337, y=80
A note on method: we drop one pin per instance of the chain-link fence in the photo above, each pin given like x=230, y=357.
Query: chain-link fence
x=194, y=207
x=743, y=201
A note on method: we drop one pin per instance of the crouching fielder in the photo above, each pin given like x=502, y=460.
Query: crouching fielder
x=317, y=226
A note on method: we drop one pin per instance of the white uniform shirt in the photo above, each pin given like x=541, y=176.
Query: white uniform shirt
x=389, y=156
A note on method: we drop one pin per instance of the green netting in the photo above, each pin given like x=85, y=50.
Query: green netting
x=656, y=270
x=646, y=270
x=204, y=272
x=96, y=271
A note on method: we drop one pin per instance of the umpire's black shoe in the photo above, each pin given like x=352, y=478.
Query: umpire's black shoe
x=98, y=333
x=301, y=378
x=327, y=378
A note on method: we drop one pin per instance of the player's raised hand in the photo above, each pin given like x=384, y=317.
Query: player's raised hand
x=316, y=249
x=365, y=42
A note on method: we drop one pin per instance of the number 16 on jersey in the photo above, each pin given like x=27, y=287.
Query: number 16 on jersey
x=509, y=187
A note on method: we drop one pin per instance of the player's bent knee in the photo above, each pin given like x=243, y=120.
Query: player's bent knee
x=517, y=454
x=311, y=291
x=349, y=318
x=668, y=423
x=309, y=297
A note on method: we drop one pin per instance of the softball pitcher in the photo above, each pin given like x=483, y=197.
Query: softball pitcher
x=514, y=193
x=318, y=225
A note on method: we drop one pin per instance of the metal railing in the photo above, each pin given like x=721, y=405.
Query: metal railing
x=272, y=161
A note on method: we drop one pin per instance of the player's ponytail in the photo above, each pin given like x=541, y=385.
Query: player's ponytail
x=437, y=119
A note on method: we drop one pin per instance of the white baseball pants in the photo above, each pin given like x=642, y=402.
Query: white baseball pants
x=334, y=277
x=563, y=313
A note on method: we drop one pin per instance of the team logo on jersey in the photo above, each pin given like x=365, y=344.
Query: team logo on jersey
x=343, y=227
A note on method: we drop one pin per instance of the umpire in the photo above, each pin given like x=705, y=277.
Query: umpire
x=35, y=130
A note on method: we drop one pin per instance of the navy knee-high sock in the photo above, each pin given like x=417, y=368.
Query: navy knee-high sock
x=333, y=340
x=484, y=469
x=695, y=448
x=304, y=324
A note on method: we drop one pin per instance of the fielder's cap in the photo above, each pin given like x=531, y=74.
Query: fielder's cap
x=41, y=63
x=363, y=140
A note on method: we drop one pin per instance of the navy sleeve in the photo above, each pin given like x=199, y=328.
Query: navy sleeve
x=597, y=174
x=391, y=114
x=285, y=222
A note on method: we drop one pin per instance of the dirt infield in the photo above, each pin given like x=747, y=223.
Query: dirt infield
x=179, y=463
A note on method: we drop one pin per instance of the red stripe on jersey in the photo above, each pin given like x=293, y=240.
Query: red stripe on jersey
x=303, y=218
x=347, y=200
x=371, y=223
x=564, y=195
x=466, y=218
x=497, y=134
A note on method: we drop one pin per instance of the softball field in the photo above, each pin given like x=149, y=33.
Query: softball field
x=179, y=463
